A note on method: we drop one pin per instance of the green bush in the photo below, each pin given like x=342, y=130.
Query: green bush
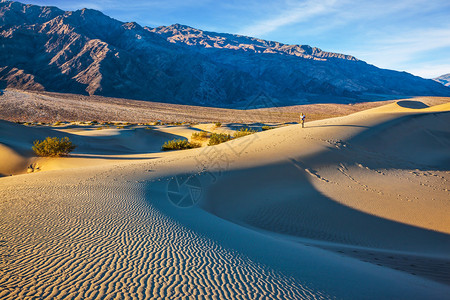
x=52, y=146
x=264, y=128
x=243, y=132
x=202, y=135
x=175, y=123
x=218, y=124
x=179, y=144
x=218, y=138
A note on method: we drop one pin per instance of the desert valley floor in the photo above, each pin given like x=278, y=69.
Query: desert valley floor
x=350, y=207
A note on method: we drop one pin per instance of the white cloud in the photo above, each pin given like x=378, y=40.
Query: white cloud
x=430, y=71
x=294, y=13
x=409, y=35
x=319, y=16
x=415, y=51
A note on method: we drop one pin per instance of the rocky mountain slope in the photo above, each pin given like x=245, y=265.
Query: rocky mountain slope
x=444, y=79
x=87, y=52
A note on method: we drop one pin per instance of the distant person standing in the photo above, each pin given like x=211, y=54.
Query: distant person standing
x=302, y=119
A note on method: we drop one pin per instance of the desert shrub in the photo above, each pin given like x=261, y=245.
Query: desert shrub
x=202, y=135
x=57, y=123
x=174, y=123
x=179, y=144
x=243, y=132
x=218, y=124
x=52, y=146
x=264, y=128
x=218, y=138
x=119, y=127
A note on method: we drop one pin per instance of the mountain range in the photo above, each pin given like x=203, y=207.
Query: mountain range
x=87, y=52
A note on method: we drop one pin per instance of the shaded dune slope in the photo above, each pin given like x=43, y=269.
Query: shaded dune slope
x=283, y=196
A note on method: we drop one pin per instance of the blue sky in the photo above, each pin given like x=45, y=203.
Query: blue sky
x=404, y=35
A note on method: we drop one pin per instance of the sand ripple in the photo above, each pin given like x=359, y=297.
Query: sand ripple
x=68, y=245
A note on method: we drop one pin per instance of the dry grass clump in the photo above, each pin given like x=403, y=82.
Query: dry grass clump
x=202, y=135
x=265, y=127
x=179, y=144
x=218, y=138
x=243, y=132
x=175, y=123
x=52, y=146
x=218, y=124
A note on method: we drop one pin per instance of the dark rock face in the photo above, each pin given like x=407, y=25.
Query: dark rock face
x=84, y=51
x=444, y=79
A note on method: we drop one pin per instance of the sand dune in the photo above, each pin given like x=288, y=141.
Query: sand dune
x=349, y=207
x=94, y=146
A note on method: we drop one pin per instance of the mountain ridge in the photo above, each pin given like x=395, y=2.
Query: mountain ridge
x=193, y=36
x=87, y=52
x=443, y=79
